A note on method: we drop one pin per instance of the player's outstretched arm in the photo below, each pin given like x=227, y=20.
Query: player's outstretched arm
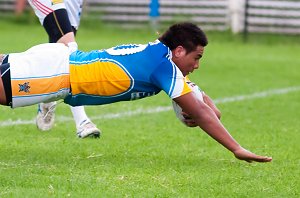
x=206, y=119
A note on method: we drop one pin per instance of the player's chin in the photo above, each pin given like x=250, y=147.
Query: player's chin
x=186, y=73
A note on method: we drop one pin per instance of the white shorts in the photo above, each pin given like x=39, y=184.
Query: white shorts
x=44, y=7
x=40, y=74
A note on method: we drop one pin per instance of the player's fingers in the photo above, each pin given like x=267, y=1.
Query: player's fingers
x=257, y=159
x=263, y=159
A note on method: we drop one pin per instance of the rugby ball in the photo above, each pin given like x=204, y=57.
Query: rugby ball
x=177, y=109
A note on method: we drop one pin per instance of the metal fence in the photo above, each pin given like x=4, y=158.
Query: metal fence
x=276, y=16
x=6, y=6
x=272, y=16
x=211, y=14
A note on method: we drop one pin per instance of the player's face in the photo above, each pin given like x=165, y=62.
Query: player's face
x=187, y=62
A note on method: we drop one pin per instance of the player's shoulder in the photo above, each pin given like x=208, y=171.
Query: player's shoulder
x=160, y=51
x=158, y=46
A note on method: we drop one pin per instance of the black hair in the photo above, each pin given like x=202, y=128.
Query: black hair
x=185, y=34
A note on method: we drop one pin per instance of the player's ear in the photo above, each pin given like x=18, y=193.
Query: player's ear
x=179, y=51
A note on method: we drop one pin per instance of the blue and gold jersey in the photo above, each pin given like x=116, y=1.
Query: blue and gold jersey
x=123, y=73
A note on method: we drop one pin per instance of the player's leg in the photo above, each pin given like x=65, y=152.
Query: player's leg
x=2, y=57
x=2, y=90
x=45, y=116
x=34, y=76
x=54, y=19
x=19, y=7
x=85, y=127
x=38, y=77
x=59, y=29
x=2, y=93
x=5, y=86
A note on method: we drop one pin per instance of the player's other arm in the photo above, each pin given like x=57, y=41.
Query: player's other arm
x=208, y=101
x=207, y=120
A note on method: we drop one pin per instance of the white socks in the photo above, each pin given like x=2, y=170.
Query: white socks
x=79, y=115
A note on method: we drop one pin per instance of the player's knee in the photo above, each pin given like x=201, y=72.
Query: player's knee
x=57, y=24
x=67, y=38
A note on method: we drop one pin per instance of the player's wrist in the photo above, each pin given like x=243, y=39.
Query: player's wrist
x=237, y=149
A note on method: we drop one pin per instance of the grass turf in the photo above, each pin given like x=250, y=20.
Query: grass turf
x=153, y=154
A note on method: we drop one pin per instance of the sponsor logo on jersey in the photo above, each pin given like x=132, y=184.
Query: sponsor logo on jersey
x=138, y=95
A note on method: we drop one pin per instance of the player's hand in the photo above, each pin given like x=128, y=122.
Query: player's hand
x=188, y=120
x=246, y=155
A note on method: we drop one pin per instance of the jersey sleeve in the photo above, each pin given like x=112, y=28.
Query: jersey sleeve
x=169, y=78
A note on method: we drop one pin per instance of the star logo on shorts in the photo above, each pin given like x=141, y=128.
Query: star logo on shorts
x=24, y=87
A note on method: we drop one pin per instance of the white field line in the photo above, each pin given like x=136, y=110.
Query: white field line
x=152, y=110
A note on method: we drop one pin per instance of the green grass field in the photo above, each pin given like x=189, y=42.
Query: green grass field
x=144, y=150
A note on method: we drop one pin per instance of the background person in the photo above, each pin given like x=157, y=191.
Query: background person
x=61, y=21
x=20, y=6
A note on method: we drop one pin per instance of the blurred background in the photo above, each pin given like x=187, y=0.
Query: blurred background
x=266, y=16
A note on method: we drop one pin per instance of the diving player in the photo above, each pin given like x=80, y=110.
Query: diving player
x=122, y=73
